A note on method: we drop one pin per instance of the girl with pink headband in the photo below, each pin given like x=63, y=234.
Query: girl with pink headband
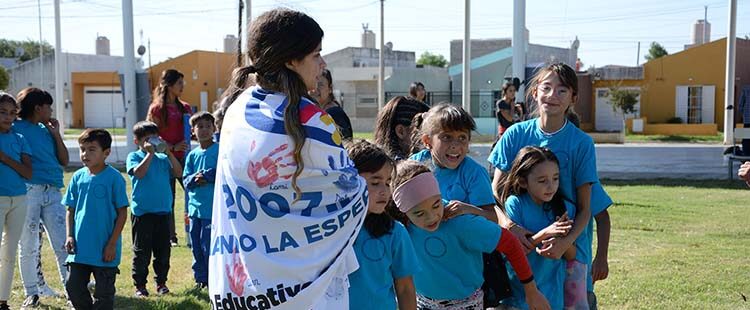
x=450, y=252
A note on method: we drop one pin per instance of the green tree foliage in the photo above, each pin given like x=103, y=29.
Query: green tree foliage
x=4, y=79
x=430, y=59
x=30, y=49
x=655, y=51
x=623, y=100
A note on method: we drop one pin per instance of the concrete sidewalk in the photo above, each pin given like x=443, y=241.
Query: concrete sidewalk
x=614, y=161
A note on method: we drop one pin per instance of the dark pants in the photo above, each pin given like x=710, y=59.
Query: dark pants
x=150, y=235
x=200, y=236
x=76, y=285
x=746, y=143
x=173, y=217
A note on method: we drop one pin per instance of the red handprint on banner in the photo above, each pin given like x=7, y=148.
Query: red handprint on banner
x=236, y=275
x=266, y=171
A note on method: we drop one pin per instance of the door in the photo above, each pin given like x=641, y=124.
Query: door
x=103, y=107
x=681, y=103
x=707, y=113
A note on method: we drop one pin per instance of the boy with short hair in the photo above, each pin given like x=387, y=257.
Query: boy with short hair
x=150, y=174
x=198, y=177
x=96, y=212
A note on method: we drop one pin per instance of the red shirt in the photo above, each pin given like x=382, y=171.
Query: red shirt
x=173, y=130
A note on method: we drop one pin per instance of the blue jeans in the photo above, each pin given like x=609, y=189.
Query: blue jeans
x=200, y=237
x=44, y=205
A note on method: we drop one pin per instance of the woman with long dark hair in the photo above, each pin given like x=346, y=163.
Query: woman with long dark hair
x=324, y=95
x=168, y=112
x=289, y=201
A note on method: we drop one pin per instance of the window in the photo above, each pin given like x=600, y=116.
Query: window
x=694, y=106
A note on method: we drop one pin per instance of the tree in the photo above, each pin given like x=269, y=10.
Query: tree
x=431, y=59
x=4, y=79
x=623, y=101
x=655, y=51
x=8, y=48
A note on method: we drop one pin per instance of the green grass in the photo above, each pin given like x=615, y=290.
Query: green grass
x=674, y=138
x=674, y=245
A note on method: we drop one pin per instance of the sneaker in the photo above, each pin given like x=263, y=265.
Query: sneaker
x=201, y=285
x=31, y=302
x=45, y=290
x=141, y=291
x=162, y=289
x=91, y=286
x=4, y=307
x=174, y=243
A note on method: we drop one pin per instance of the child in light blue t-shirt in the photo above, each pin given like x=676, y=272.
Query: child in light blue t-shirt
x=97, y=209
x=15, y=169
x=150, y=172
x=198, y=178
x=532, y=200
x=445, y=132
x=384, y=251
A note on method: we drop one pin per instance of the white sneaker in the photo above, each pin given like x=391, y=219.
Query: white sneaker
x=49, y=292
x=91, y=286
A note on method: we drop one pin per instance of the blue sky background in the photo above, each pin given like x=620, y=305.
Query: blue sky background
x=608, y=30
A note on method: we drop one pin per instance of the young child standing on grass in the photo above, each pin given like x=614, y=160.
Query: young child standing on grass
x=532, y=200
x=386, y=256
x=15, y=168
x=445, y=131
x=97, y=210
x=198, y=177
x=150, y=172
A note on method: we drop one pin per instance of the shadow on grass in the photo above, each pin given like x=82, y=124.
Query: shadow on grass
x=187, y=299
x=717, y=184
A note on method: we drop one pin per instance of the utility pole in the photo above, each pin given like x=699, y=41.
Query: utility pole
x=729, y=87
x=381, y=64
x=519, y=45
x=466, y=85
x=248, y=20
x=41, y=46
x=59, y=98
x=128, y=71
x=638, y=55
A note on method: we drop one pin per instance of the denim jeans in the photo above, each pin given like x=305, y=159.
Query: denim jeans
x=12, y=215
x=44, y=205
x=200, y=236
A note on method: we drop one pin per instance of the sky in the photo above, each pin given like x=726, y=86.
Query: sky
x=609, y=31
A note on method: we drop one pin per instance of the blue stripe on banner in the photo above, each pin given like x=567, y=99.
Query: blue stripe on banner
x=260, y=121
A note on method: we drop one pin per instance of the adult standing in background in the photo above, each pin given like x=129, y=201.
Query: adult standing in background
x=326, y=101
x=505, y=108
x=168, y=112
x=417, y=91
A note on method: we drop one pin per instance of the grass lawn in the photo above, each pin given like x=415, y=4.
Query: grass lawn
x=672, y=138
x=674, y=245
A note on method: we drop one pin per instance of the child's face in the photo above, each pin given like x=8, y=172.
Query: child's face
x=92, y=154
x=448, y=148
x=427, y=214
x=378, y=187
x=552, y=97
x=44, y=111
x=204, y=130
x=542, y=181
x=7, y=116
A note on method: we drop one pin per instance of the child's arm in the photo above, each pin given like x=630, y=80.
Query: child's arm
x=70, y=220
x=176, y=167
x=502, y=218
x=511, y=247
x=570, y=253
x=455, y=208
x=600, y=266
x=60, y=150
x=140, y=170
x=406, y=293
x=559, y=228
x=111, y=249
x=23, y=168
x=556, y=247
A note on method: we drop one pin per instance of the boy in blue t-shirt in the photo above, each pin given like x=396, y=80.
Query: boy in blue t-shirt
x=198, y=176
x=96, y=212
x=150, y=174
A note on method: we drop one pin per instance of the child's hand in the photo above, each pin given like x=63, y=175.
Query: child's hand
x=70, y=245
x=455, y=208
x=180, y=147
x=53, y=126
x=744, y=172
x=553, y=248
x=199, y=179
x=536, y=300
x=109, y=253
x=599, y=269
x=559, y=228
x=522, y=235
x=149, y=147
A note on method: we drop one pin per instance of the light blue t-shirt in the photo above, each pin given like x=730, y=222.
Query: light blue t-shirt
x=46, y=168
x=381, y=261
x=152, y=193
x=469, y=182
x=201, y=197
x=13, y=144
x=95, y=200
x=549, y=274
x=600, y=201
x=573, y=148
x=451, y=256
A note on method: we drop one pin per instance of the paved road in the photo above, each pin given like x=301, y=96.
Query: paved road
x=614, y=161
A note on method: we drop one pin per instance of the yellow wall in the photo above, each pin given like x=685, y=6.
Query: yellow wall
x=674, y=129
x=82, y=79
x=212, y=70
x=702, y=65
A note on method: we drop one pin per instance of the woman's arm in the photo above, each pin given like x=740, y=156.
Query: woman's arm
x=406, y=293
